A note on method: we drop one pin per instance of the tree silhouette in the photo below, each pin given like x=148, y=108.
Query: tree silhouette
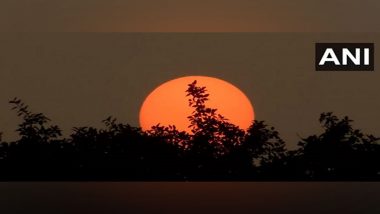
x=215, y=149
x=340, y=152
x=127, y=151
x=218, y=147
x=34, y=128
x=34, y=152
x=265, y=149
x=171, y=135
x=211, y=131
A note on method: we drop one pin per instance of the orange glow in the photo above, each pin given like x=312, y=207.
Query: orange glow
x=168, y=104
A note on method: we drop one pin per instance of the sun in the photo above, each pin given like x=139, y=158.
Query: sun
x=168, y=104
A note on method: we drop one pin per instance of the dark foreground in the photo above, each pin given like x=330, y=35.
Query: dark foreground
x=215, y=150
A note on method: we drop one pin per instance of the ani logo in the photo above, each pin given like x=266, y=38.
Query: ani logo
x=344, y=57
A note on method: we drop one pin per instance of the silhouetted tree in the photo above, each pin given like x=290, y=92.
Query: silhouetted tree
x=171, y=135
x=214, y=150
x=211, y=131
x=264, y=149
x=212, y=140
x=264, y=144
x=34, y=151
x=3, y=151
x=126, y=151
x=340, y=152
x=34, y=128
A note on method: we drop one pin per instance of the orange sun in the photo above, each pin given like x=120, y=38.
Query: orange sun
x=168, y=104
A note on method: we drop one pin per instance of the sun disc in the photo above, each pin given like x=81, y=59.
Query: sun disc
x=168, y=105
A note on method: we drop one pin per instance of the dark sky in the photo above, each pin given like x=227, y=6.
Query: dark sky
x=190, y=15
x=78, y=79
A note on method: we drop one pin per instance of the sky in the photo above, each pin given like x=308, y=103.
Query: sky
x=79, y=79
x=189, y=15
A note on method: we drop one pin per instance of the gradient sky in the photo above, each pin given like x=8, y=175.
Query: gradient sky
x=78, y=79
x=190, y=15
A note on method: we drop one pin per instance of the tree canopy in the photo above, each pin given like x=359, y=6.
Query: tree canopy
x=214, y=149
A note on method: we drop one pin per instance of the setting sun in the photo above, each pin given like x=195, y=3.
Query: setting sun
x=168, y=104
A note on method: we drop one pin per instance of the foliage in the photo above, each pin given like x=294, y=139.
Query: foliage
x=171, y=135
x=208, y=127
x=214, y=150
x=34, y=126
x=264, y=143
x=340, y=151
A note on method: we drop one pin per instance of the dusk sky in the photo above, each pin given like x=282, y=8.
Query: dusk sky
x=190, y=15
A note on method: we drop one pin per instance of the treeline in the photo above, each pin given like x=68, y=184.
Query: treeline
x=215, y=150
